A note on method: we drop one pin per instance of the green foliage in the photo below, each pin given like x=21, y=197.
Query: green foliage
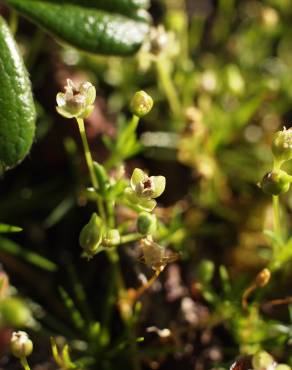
x=17, y=112
x=219, y=78
x=86, y=27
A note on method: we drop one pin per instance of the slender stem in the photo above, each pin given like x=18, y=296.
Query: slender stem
x=278, y=302
x=119, y=152
x=168, y=86
x=133, y=347
x=110, y=212
x=87, y=152
x=277, y=222
x=24, y=363
x=132, y=126
x=112, y=289
x=246, y=294
x=147, y=285
x=130, y=238
x=89, y=162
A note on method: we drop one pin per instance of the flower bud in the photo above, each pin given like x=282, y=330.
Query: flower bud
x=262, y=360
x=146, y=223
x=77, y=101
x=262, y=278
x=282, y=145
x=276, y=182
x=91, y=235
x=14, y=312
x=141, y=103
x=20, y=344
x=112, y=238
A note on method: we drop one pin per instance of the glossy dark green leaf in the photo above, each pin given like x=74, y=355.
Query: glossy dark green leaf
x=89, y=25
x=17, y=112
x=135, y=9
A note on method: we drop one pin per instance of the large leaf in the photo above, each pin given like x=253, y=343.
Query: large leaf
x=89, y=25
x=130, y=8
x=17, y=113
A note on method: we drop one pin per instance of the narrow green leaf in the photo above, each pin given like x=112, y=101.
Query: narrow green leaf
x=15, y=249
x=4, y=228
x=59, y=212
x=73, y=311
x=225, y=281
x=87, y=28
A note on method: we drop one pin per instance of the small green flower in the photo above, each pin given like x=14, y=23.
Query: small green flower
x=144, y=189
x=77, y=101
x=141, y=103
x=282, y=145
x=91, y=236
x=20, y=344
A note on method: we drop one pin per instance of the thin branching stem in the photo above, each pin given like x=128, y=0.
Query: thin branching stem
x=277, y=220
x=168, y=87
x=89, y=162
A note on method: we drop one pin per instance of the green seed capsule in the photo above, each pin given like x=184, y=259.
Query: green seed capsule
x=91, y=235
x=146, y=223
x=20, y=344
x=262, y=360
x=141, y=103
x=112, y=238
x=276, y=182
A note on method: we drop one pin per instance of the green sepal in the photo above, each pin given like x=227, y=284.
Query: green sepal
x=143, y=204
